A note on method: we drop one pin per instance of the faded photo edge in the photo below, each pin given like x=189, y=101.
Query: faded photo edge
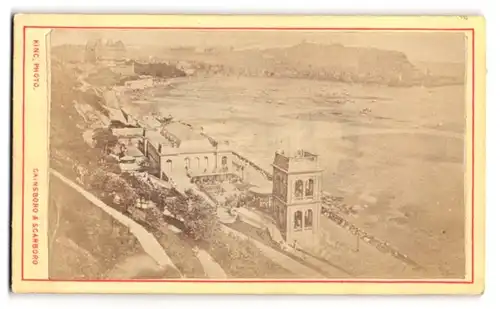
x=43, y=286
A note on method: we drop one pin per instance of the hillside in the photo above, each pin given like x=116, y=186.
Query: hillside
x=86, y=243
x=162, y=70
x=80, y=249
x=319, y=62
x=333, y=62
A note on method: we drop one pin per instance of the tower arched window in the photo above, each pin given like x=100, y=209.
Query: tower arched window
x=224, y=161
x=277, y=184
x=297, y=220
x=310, y=188
x=285, y=188
x=299, y=189
x=308, y=220
x=169, y=165
x=187, y=162
x=197, y=162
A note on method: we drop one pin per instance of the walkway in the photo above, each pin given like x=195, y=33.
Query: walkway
x=212, y=269
x=224, y=216
x=259, y=221
x=278, y=257
x=137, y=267
x=146, y=239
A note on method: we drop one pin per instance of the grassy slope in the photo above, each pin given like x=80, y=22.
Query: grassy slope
x=85, y=242
x=181, y=253
x=242, y=259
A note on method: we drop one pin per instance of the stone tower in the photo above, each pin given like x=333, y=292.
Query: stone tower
x=297, y=195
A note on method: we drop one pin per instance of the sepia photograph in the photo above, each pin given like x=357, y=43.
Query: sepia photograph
x=229, y=156
x=247, y=154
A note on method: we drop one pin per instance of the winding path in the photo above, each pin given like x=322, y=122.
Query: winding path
x=146, y=239
x=212, y=269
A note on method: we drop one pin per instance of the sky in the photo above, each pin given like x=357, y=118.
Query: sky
x=418, y=46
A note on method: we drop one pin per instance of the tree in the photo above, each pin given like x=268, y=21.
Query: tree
x=120, y=192
x=97, y=179
x=177, y=207
x=110, y=164
x=114, y=190
x=105, y=139
x=142, y=189
x=200, y=221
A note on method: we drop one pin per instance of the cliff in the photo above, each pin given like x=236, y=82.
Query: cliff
x=158, y=70
x=322, y=62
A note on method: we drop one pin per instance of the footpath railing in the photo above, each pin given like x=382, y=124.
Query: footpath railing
x=266, y=174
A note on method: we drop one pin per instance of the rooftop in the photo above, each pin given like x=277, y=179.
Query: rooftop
x=156, y=138
x=150, y=122
x=128, y=132
x=296, y=161
x=116, y=115
x=297, y=154
x=183, y=132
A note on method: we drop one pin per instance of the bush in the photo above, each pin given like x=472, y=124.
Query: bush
x=141, y=188
x=201, y=221
x=114, y=190
x=111, y=164
x=105, y=139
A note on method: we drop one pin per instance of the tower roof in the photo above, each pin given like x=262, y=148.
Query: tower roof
x=296, y=162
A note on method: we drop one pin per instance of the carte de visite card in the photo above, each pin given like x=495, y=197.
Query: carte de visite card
x=248, y=154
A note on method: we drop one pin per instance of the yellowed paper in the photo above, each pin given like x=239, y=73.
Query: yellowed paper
x=248, y=154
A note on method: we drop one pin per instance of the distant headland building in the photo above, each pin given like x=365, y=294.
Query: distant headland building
x=105, y=50
x=111, y=54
